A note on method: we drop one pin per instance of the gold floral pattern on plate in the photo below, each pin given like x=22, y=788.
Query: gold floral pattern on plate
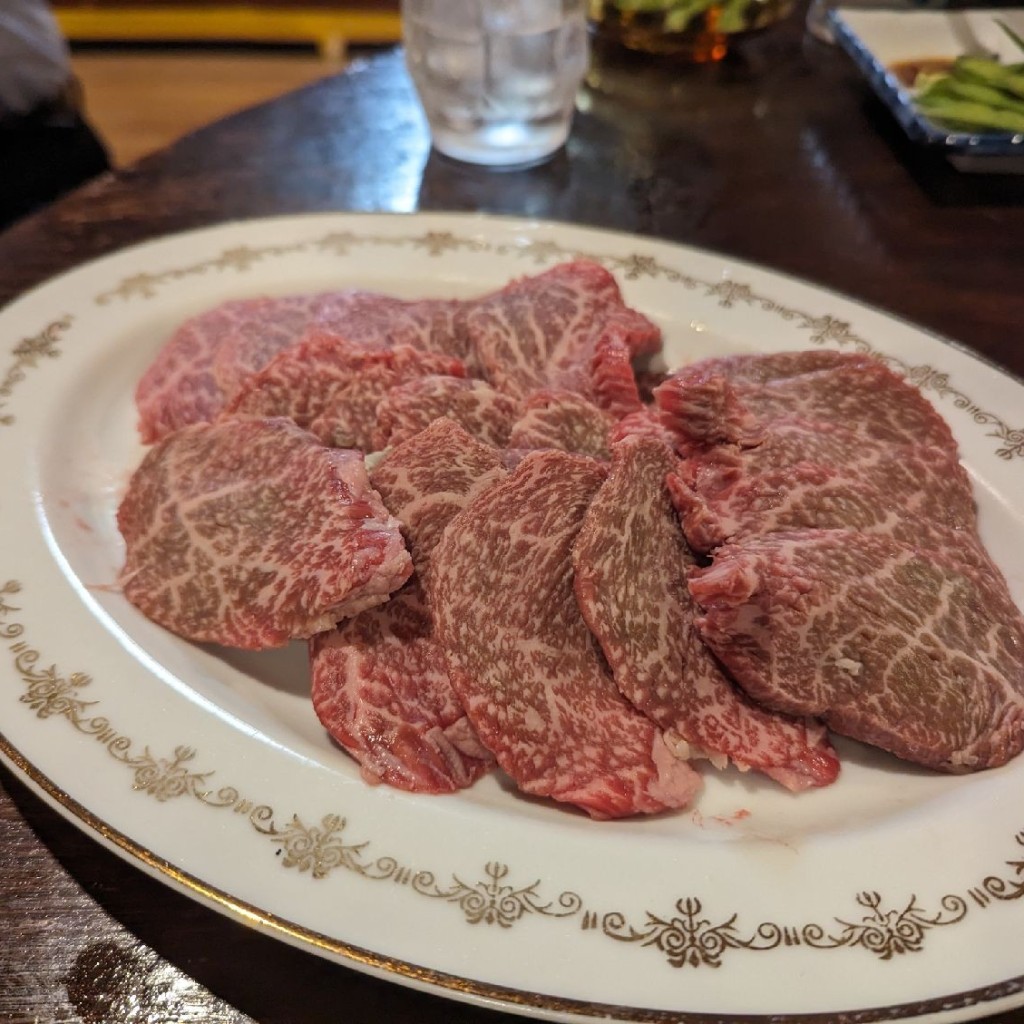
x=685, y=936
x=27, y=355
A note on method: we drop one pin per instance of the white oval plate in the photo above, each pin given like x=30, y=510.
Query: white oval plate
x=894, y=893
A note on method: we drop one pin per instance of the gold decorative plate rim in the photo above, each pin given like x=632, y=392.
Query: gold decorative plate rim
x=516, y=1000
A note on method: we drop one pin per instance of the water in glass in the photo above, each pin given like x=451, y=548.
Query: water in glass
x=497, y=78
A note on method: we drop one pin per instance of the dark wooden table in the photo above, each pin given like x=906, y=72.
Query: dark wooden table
x=778, y=155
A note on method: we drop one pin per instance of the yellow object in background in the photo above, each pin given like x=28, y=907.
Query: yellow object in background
x=330, y=30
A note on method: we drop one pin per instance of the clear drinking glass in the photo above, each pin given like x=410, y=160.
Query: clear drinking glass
x=497, y=78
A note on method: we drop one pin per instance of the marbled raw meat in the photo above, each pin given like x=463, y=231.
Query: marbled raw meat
x=380, y=688
x=208, y=358
x=544, y=330
x=408, y=408
x=613, y=381
x=522, y=660
x=808, y=473
x=865, y=396
x=181, y=386
x=809, y=496
x=630, y=563
x=427, y=324
x=698, y=409
x=248, y=348
x=332, y=386
x=556, y=418
x=361, y=318
x=904, y=649
x=703, y=407
x=380, y=681
x=644, y=423
x=250, y=533
x=761, y=367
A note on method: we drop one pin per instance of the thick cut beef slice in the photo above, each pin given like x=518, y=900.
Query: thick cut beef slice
x=522, y=660
x=556, y=418
x=808, y=473
x=702, y=406
x=208, y=359
x=246, y=350
x=380, y=680
x=250, y=533
x=903, y=649
x=696, y=408
x=331, y=386
x=380, y=687
x=372, y=319
x=408, y=408
x=864, y=396
x=613, y=381
x=185, y=382
x=430, y=478
x=544, y=331
x=630, y=563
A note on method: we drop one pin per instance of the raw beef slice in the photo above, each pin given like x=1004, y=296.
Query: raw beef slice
x=522, y=660
x=544, y=331
x=806, y=473
x=613, y=382
x=630, y=563
x=761, y=367
x=641, y=424
x=696, y=409
x=701, y=406
x=408, y=408
x=208, y=359
x=250, y=533
x=864, y=396
x=183, y=384
x=903, y=649
x=331, y=386
x=555, y=418
x=380, y=687
x=430, y=478
x=364, y=318
x=380, y=681
x=376, y=320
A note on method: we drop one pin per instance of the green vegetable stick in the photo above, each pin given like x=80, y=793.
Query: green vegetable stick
x=977, y=115
x=951, y=87
x=990, y=72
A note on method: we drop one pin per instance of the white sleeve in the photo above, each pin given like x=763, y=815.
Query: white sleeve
x=34, y=60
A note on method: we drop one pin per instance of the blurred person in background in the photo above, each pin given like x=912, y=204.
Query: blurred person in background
x=46, y=145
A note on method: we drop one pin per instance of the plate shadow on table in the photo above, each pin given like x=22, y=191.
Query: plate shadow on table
x=254, y=974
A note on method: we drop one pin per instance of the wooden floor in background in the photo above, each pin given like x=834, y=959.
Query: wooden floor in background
x=141, y=100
